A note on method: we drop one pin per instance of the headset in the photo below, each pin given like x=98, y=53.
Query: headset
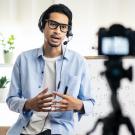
x=41, y=25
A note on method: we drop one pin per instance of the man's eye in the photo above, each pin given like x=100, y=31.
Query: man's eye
x=64, y=26
x=53, y=24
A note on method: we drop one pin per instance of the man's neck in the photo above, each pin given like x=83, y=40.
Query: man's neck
x=52, y=51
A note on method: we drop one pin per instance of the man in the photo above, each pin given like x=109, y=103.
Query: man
x=50, y=83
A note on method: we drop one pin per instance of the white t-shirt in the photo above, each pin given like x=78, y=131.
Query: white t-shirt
x=39, y=121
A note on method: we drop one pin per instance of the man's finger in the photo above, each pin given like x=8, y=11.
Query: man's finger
x=45, y=110
x=47, y=100
x=60, y=101
x=45, y=105
x=61, y=106
x=60, y=95
x=44, y=91
x=58, y=110
x=47, y=96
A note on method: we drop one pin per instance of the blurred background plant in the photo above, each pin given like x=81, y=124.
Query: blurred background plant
x=3, y=82
x=8, y=44
x=3, y=88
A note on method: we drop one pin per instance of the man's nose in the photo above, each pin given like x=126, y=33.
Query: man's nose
x=58, y=29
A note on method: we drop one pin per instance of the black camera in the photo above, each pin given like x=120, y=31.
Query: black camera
x=116, y=41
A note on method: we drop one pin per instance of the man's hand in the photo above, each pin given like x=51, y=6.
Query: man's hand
x=41, y=103
x=66, y=103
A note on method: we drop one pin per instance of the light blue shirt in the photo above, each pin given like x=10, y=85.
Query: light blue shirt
x=27, y=79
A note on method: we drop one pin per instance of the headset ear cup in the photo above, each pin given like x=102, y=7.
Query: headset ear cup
x=69, y=34
x=40, y=23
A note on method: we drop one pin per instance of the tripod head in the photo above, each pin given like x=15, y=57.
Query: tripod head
x=115, y=72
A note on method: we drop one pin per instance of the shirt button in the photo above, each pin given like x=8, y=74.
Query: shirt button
x=42, y=72
x=39, y=86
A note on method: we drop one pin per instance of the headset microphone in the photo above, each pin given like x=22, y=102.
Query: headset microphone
x=70, y=35
x=65, y=42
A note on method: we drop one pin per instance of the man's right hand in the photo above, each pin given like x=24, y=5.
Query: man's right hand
x=41, y=103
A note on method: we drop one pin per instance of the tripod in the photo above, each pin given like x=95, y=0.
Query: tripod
x=112, y=122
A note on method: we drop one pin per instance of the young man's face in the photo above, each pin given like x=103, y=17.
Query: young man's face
x=53, y=32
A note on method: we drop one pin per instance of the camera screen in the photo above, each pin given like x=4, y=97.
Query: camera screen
x=115, y=45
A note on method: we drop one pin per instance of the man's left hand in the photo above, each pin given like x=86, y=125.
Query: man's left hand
x=66, y=103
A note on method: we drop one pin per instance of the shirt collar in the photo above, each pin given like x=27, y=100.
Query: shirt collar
x=66, y=54
x=40, y=52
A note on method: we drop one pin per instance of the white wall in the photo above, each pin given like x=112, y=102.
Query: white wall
x=21, y=18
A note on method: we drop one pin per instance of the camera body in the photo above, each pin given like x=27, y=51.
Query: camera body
x=117, y=41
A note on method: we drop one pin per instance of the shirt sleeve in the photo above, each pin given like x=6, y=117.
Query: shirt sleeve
x=85, y=93
x=15, y=101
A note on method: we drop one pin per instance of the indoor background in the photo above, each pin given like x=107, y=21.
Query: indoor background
x=20, y=17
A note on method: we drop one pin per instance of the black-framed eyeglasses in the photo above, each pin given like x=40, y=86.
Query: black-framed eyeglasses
x=54, y=25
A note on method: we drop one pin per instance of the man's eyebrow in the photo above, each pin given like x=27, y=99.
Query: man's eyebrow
x=58, y=22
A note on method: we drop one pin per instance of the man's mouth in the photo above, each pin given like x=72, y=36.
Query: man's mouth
x=55, y=38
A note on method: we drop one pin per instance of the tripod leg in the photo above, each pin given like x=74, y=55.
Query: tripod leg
x=127, y=121
x=93, y=129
